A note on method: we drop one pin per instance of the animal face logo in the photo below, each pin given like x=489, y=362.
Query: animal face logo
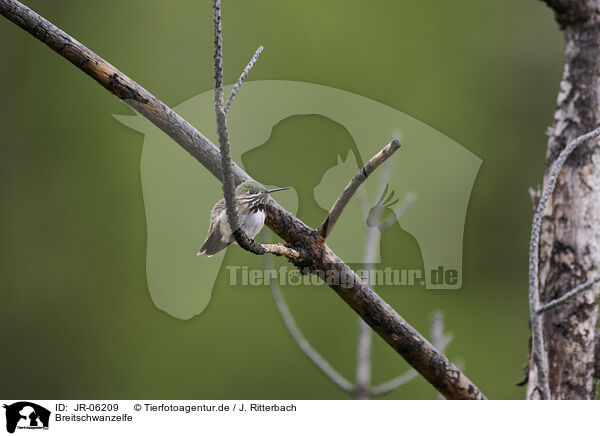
x=430, y=181
x=382, y=210
x=26, y=415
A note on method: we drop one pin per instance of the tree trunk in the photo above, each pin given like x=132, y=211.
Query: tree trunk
x=570, y=238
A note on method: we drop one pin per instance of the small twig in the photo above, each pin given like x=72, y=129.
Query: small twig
x=302, y=342
x=356, y=181
x=363, y=362
x=439, y=338
x=241, y=238
x=569, y=295
x=304, y=345
x=281, y=250
x=237, y=85
x=395, y=383
x=539, y=354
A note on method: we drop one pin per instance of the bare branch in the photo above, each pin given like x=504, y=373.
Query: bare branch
x=446, y=377
x=241, y=238
x=356, y=181
x=539, y=354
x=245, y=73
x=228, y=185
x=569, y=295
x=387, y=387
x=282, y=250
x=218, y=55
x=363, y=363
x=302, y=342
x=439, y=338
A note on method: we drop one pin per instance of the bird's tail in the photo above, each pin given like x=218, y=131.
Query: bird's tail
x=213, y=244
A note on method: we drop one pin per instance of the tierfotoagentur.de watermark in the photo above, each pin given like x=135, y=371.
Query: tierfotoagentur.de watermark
x=388, y=276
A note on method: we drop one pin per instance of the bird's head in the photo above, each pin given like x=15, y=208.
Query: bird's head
x=253, y=196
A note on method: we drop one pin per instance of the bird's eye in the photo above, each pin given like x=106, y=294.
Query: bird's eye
x=252, y=192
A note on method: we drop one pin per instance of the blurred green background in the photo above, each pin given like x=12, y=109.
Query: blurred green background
x=75, y=314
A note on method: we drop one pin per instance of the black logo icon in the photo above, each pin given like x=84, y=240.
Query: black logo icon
x=26, y=415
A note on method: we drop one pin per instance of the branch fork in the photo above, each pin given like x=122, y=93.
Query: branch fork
x=352, y=187
x=241, y=238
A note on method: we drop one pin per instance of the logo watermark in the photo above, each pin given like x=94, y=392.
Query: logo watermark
x=25, y=415
x=291, y=276
x=271, y=124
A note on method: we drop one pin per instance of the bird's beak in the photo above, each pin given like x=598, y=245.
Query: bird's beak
x=275, y=190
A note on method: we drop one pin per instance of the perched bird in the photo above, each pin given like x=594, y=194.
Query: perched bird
x=251, y=198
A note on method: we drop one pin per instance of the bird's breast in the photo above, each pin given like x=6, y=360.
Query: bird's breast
x=253, y=223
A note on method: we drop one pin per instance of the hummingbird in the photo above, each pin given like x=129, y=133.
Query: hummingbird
x=250, y=197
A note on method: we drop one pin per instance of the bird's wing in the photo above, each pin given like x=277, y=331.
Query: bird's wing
x=214, y=241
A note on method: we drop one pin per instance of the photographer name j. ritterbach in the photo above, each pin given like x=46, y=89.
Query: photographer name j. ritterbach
x=287, y=276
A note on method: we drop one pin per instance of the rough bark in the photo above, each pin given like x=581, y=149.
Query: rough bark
x=569, y=247
x=569, y=12
x=317, y=257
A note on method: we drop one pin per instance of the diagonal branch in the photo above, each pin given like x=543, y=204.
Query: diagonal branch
x=400, y=335
x=539, y=354
x=361, y=176
x=241, y=238
x=238, y=84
